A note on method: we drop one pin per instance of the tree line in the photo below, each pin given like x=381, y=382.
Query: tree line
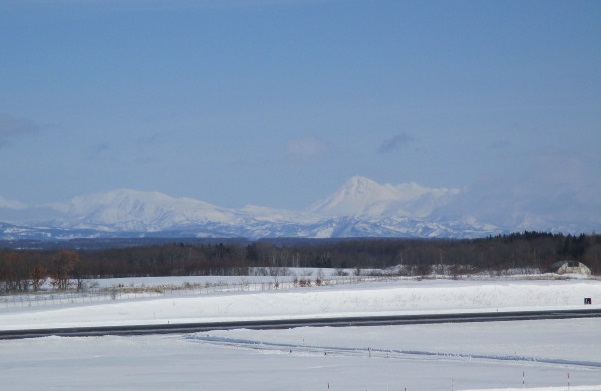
x=23, y=270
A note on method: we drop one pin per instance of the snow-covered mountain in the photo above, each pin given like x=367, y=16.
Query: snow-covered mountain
x=361, y=196
x=360, y=208
x=132, y=210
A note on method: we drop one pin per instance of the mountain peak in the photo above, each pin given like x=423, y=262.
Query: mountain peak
x=360, y=207
x=360, y=185
x=138, y=210
x=361, y=196
x=357, y=196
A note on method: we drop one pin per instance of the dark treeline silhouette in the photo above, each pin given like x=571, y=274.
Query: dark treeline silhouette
x=22, y=270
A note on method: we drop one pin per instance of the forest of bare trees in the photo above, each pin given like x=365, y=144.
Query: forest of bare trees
x=23, y=270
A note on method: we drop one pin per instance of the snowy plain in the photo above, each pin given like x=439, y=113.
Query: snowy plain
x=547, y=354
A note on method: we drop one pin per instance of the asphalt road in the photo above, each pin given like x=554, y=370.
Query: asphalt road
x=291, y=323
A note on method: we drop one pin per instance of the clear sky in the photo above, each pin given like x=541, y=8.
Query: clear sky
x=277, y=103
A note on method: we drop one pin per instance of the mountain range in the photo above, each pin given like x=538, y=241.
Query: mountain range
x=360, y=208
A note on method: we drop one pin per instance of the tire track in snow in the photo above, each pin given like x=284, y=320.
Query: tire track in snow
x=381, y=353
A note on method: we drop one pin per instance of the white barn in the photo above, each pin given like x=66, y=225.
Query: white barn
x=563, y=267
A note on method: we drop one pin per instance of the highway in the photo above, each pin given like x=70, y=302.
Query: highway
x=170, y=328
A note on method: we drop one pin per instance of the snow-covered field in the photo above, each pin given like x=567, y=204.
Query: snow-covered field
x=498, y=355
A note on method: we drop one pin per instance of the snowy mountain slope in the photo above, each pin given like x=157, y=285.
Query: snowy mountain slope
x=361, y=196
x=360, y=208
x=6, y=203
x=131, y=210
x=338, y=227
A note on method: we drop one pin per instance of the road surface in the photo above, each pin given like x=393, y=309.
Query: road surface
x=305, y=322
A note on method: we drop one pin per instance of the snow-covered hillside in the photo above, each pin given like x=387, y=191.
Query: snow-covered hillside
x=131, y=210
x=382, y=298
x=360, y=208
x=361, y=196
x=497, y=355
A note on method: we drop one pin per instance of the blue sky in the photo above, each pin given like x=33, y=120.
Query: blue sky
x=277, y=103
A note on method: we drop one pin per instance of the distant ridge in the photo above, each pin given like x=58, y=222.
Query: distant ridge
x=361, y=207
x=361, y=196
x=133, y=210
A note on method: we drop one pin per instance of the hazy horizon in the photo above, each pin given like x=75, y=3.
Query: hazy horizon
x=278, y=103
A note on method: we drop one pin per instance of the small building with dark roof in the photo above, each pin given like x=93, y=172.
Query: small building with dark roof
x=570, y=267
